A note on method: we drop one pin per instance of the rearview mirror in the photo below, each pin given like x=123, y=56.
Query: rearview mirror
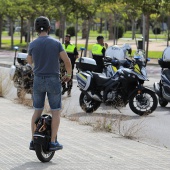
x=16, y=48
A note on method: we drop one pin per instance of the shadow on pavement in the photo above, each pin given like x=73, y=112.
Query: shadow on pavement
x=35, y=165
x=159, y=108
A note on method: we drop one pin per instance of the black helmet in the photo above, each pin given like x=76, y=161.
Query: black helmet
x=41, y=24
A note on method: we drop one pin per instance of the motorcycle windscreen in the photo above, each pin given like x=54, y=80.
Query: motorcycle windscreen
x=83, y=80
x=12, y=72
x=115, y=52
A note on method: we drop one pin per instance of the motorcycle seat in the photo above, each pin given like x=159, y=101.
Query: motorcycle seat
x=166, y=72
x=100, y=78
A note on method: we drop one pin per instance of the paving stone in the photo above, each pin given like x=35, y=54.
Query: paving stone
x=84, y=149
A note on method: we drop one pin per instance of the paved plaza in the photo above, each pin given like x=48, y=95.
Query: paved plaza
x=84, y=148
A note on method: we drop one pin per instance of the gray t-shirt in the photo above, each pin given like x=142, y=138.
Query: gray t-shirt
x=45, y=52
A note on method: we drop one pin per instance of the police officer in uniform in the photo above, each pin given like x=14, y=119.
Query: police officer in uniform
x=72, y=53
x=98, y=53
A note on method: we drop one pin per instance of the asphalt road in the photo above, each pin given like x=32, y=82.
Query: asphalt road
x=152, y=129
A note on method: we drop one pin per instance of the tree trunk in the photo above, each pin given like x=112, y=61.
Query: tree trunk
x=105, y=28
x=76, y=31
x=101, y=25
x=22, y=30
x=110, y=27
x=84, y=29
x=168, y=31
x=87, y=37
x=32, y=30
x=168, y=39
x=12, y=33
x=144, y=31
x=115, y=31
x=60, y=30
x=147, y=34
x=1, y=22
x=62, y=26
x=28, y=32
x=133, y=29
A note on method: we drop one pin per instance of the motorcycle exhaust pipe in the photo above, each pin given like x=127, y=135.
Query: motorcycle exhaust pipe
x=94, y=96
x=157, y=88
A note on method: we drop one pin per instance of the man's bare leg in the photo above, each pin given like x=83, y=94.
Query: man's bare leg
x=55, y=124
x=37, y=114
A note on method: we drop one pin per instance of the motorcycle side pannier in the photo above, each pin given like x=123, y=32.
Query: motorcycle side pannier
x=84, y=80
x=164, y=64
x=22, y=58
x=166, y=54
x=86, y=64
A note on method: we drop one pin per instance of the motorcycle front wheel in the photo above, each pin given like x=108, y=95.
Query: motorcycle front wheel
x=88, y=105
x=21, y=93
x=144, y=103
x=42, y=155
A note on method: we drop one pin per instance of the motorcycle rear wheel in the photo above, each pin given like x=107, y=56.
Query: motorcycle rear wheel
x=42, y=155
x=143, y=104
x=89, y=106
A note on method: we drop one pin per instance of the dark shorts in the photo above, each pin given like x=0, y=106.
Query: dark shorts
x=49, y=85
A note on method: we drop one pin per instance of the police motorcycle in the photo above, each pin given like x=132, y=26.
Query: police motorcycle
x=125, y=86
x=162, y=88
x=21, y=74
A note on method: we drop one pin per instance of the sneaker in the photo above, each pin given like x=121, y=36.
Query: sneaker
x=54, y=146
x=31, y=146
x=69, y=93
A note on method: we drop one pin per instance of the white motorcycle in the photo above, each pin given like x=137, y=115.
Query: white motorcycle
x=21, y=74
x=162, y=88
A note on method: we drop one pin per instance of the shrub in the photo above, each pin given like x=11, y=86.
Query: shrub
x=71, y=31
x=119, y=31
x=57, y=32
x=156, y=30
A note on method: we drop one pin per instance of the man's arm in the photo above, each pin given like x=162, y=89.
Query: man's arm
x=103, y=51
x=76, y=53
x=67, y=63
x=29, y=60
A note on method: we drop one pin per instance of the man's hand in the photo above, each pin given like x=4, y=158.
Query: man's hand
x=66, y=78
x=106, y=45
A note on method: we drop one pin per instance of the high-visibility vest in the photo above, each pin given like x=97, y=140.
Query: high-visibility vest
x=70, y=48
x=97, y=50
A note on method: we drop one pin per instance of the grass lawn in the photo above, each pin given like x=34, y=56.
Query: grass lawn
x=128, y=34
x=6, y=45
x=6, y=41
x=151, y=54
x=155, y=54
